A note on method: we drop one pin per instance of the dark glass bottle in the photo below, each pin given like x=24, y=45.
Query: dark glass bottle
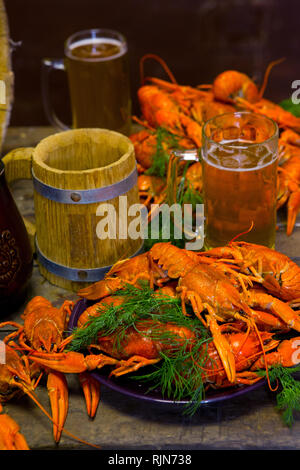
x=16, y=258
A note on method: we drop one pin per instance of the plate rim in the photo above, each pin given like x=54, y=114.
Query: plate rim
x=168, y=401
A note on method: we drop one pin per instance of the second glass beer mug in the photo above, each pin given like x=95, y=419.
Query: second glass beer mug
x=96, y=62
x=239, y=158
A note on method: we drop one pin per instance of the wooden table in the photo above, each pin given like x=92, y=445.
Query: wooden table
x=247, y=422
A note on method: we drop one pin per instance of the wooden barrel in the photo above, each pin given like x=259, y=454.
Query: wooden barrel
x=6, y=74
x=76, y=174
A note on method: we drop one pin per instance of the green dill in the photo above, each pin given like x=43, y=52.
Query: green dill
x=140, y=304
x=288, y=398
x=179, y=375
x=150, y=241
x=191, y=196
x=184, y=194
x=165, y=140
x=293, y=108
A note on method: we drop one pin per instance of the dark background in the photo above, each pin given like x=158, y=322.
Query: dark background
x=197, y=38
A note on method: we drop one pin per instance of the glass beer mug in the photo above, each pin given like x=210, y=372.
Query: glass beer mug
x=96, y=62
x=239, y=159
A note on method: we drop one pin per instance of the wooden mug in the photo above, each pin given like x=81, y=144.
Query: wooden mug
x=74, y=172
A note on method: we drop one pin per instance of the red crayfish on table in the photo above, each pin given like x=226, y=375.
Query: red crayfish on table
x=218, y=290
x=234, y=303
x=43, y=330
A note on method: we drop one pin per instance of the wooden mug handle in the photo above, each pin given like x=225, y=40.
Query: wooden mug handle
x=18, y=164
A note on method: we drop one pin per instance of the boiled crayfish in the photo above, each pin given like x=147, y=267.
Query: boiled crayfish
x=142, y=347
x=16, y=378
x=217, y=290
x=43, y=330
x=275, y=271
x=10, y=436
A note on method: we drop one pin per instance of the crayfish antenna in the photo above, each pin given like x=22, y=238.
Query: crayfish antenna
x=264, y=358
x=143, y=123
x=266, y=77
x=161, y=62
x=242, y=233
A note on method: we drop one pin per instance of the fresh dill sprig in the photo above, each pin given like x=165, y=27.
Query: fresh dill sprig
x=293, y=108
x=161, y=155
x=185, y=194
x=192, y=197
x=180, y=373
x=140, y=304
x=288, y=399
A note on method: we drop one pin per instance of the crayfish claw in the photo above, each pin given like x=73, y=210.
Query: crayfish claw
x=59, y=400
x=91, y=390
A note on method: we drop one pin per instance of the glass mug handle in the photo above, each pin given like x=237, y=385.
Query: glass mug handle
x=47, y=66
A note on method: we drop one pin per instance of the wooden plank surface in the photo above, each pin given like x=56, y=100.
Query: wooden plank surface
x=246, y=422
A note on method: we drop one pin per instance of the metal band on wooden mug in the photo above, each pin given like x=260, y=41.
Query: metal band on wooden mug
x=74, y=274
x=85, y=196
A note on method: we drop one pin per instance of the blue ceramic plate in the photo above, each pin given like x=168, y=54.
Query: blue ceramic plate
x=134, y=389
